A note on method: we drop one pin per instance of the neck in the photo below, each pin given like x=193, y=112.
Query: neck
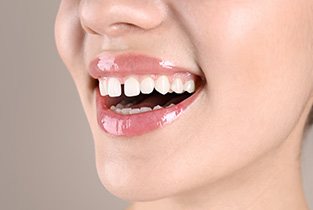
x=272, y=182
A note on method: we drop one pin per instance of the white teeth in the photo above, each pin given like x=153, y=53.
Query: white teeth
x=134, y=111
x=162, y=84
x=145, y=109
x=189, y=86
x=103, y=87
x=114, y=87
x=177, y=85
x=132, y=87
x=129, y=111
x=157, y=107
x=147, y=85
x=126, y=111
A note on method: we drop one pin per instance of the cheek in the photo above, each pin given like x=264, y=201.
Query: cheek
x=69, y=36
x=70, y=39
x=257, y=66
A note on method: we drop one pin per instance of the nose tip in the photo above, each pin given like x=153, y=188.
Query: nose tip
x=117, y=17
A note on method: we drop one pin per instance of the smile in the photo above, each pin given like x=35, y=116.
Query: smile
x=137, y=94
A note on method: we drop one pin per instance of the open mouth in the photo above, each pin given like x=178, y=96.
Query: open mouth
x=133, y=101
x=146, y=93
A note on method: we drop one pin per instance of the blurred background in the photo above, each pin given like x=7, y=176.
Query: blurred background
x=46, y=148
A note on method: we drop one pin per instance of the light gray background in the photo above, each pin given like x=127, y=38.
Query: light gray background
x=46, y=149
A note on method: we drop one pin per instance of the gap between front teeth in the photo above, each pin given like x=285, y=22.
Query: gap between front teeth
x=133, y=86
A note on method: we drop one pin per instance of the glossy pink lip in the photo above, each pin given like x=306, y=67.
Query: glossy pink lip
x=106, y=65
x=136, y=124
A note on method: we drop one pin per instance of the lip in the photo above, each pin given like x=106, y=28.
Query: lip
x=131, y=63
x=138, y=124
x=108, y=65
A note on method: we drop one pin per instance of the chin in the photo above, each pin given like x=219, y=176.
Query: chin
x=135, y=185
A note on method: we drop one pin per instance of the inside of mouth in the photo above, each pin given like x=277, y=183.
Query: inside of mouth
x=151, y=100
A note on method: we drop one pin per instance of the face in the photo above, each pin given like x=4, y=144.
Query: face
x=240, y=73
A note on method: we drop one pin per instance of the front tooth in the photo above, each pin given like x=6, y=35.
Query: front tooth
x=189, y=86
x=162, y=84
x=178, y=86
x=132, y=87
x=147, y=85
x=114, y=87
x=103, y=87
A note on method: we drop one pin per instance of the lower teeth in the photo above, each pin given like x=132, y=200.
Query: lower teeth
x=130, y=111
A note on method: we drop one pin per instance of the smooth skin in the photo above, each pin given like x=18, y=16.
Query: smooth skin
x=238, y=145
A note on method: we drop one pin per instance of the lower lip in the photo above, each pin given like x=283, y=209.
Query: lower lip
x=137, y=124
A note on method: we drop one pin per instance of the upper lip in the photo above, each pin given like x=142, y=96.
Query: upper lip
x=108, y=65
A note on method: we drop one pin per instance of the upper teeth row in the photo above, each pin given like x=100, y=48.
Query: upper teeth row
x=112, y=86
